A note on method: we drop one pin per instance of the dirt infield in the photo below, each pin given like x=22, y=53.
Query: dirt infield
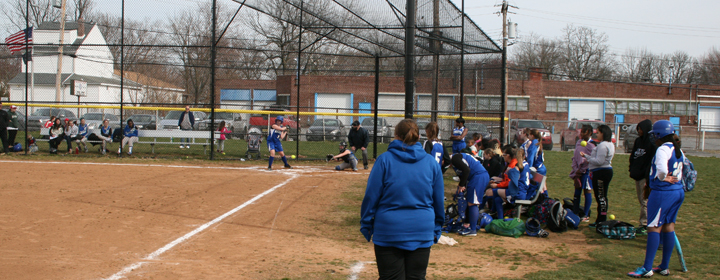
x=79, y=220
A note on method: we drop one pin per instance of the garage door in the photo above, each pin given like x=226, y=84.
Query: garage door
x=709, y=118
x=335, y=103
x=391, y=104
x=586, y=110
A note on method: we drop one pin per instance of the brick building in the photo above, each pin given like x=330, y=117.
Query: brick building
x=534, y=98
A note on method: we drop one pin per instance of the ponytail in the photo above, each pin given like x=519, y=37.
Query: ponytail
x=675, y=141
x=407, y=131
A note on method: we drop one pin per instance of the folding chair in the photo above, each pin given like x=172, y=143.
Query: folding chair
x=538, y=178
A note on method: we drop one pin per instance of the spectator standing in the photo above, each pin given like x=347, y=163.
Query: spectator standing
x=664, y=201
x=580, y=174
x=14, y=124
x=57, y=135
x=640, y=161
x=71, y=134
x=600, y=166
x=402, y=211
x=358, y=138
x=105, y=135
x=186, y=122
x=221, y=142
x=4, y=120
x=130, y=136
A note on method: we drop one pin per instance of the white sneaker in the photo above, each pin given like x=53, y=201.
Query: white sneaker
x=456, y=179
x=187, y=146
x=182, y=147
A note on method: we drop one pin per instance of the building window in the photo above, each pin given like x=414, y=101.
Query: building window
x=669, y=108
x=522, y=104
x=480, y=103
x=621, y=107
x=283, y=100
x=610, y=107
x=633, y=107
x=556, y=105
x=657, y=108
x=645, y=107
x=681, y=109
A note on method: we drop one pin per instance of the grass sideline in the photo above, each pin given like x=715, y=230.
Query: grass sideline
x=697, y=227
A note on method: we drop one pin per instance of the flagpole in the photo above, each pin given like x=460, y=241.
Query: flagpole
x=32, y=80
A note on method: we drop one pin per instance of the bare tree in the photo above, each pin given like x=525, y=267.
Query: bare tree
x=40, y=11
x=536, y=51
x=709, y=67
x=637, y=65
x=9, y=68
x=682, y=66
x=82, y=10
x=585, y=54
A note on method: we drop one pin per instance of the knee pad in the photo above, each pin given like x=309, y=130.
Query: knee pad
x=338, y=168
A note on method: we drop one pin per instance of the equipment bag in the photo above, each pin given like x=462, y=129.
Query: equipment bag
x=572, y=219
x=568, y=203
x=557, y=222
x=541, y=211
x=514, y=227
x=616, y=229
x=689, y=175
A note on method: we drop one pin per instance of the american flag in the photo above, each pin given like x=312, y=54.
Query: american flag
x=17, y=41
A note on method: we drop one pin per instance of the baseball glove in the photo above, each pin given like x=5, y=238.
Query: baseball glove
x=328, y=158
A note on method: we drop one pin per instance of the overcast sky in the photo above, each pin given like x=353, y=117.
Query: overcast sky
x=661, y=26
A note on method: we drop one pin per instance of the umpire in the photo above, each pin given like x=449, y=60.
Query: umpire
x=358, y=139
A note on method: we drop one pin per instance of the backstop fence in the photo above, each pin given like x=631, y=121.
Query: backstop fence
x=322, y=65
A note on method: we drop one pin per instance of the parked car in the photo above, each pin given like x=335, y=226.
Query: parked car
x=478, y=128
x=95, y=120
x=37, y=119
x=384, y=129
x=517, y=126
x=326, y=130
x=21, y=118
x=233, y=121
x=170, y=121
x=630, y=134
x=144, y=121
x=263, y=121
x=570, y=136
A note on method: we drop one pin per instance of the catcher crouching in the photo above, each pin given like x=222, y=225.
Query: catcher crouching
x=346, y=155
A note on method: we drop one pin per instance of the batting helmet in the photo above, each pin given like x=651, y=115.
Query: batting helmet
x=485, y=220
x=279, y=119
x=343, y=143
x=662, y=128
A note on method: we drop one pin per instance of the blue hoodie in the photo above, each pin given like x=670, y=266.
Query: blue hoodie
x=130, y=132
x=403, y=205
x=519, y=183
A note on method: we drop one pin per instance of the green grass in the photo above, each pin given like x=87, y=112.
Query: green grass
x=698, y=226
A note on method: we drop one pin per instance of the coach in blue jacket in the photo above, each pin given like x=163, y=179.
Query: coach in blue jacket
x=402, y=211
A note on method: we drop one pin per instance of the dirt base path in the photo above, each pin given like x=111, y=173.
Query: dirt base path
x=78, y=220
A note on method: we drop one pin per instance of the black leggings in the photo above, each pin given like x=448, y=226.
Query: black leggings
x=394, y=263
x=601, y=181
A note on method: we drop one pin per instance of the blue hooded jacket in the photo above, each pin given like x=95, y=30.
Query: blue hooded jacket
x=403, y=205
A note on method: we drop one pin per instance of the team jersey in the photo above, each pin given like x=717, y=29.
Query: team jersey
x=274, y=134
x=106, y=131
x=458, y=131
x=525, y=147
x=475, y=166
x=83, y=130
x=437, y=151
x=519, y=190
x=673, y=166
x=535, y=156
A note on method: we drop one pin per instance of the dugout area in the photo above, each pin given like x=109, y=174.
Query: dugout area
x=85, y=220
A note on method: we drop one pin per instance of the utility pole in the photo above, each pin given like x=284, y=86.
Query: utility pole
x=58, y=78
x=504, y=81
x=409, y=57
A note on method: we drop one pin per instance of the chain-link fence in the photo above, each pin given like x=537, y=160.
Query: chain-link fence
x=321, y=65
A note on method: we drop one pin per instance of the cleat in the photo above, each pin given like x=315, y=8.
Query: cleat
x=640, y=272
x=663, y=272
x=467, y=232
x=182, y=147
x=288, y=166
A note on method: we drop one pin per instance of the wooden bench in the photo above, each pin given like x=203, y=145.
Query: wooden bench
x=155, y=134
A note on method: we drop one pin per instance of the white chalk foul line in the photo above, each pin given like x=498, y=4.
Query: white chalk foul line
x=356, y=269
x=187, y=236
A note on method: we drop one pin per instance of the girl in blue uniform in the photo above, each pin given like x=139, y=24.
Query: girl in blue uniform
x=519, y=180
x=666, y=197
x=525, y=138
x=458, y=135
x=276, y=133
x=473, y=180
x=433, y=145
x=535, y=157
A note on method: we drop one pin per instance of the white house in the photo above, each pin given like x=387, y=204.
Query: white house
x=86, y=57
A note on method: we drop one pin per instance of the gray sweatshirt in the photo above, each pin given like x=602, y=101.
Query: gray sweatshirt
x=601, y=156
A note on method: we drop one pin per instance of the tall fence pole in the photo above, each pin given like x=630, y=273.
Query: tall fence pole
x=27, y=112
x=122, y=65
x=409, y=59
x=462, y=60
x=213, y=54
x=377, y=96
x=297, y=98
